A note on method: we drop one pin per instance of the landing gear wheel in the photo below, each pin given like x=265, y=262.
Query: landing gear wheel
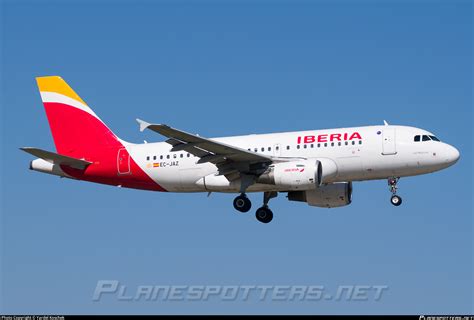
x=242, y=203
x=264, y=214
x=396, y=200
x=392, y=184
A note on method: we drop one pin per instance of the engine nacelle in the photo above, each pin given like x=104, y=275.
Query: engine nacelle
x=327, y=196
x=300, y=174
x=293, y=175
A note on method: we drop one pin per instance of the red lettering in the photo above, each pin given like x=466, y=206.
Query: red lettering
x=355, y=135
x=329, y=137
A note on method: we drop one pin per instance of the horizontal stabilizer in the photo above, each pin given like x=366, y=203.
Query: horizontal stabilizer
x=58, y=159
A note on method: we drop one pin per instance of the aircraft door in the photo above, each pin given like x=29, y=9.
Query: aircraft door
x=123, y=161
x=389, y=146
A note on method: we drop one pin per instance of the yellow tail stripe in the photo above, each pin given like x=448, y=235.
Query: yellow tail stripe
x=58, y=85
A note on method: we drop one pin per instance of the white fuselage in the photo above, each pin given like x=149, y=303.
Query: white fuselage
x=359, y=153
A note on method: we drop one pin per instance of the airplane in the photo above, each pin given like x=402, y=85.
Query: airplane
x=317, y=166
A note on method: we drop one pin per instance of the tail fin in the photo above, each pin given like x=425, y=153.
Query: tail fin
x=76, y=129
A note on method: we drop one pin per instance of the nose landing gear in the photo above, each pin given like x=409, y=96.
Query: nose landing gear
x=392, y=183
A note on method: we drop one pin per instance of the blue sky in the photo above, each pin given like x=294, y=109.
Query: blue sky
x=228, y=68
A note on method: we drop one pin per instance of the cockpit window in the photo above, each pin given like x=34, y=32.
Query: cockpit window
x=419, y=138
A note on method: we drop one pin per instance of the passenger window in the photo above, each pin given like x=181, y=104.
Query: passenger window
x=426, y=138
x=319, y=145
x=353, y=142
x=269, y=149
x=277, y=148
x=161, y=157
x=255, y=150
x=339, y=144
x=175, y=155
x=417, y=138
x=312, y=145
x=287, y=147
x=181, y=155
x=263, y=149
x=325, y=144
x=332, y=144
x=360, y=141
x=189, y=155
x=147, y=158
x=305, y=146
x=298, y=146
x=167, y=156
x=347, y=143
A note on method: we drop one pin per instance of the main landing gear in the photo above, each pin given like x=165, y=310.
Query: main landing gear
x=392, y=183
x=263, y=214
x=242, y=203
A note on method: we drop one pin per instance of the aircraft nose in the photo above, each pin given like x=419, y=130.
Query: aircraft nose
x=452, y=155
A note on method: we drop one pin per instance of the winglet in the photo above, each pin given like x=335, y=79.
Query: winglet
x=143, y=124
x=385, y=123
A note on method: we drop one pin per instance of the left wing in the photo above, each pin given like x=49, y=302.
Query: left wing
x=230, y=160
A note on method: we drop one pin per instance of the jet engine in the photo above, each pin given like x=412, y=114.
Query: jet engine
x=326, y=196
x=300, y=175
